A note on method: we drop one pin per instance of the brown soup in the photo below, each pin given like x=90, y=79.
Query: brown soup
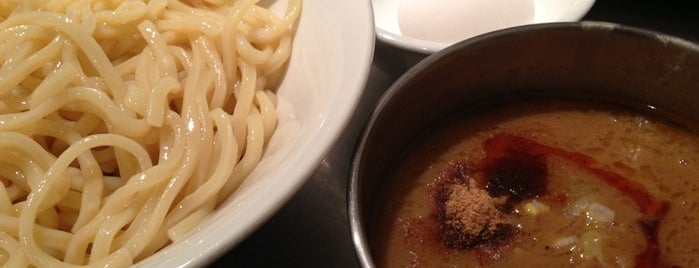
x=554, y=184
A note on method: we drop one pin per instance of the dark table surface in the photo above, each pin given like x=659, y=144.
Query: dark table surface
x=312, y=229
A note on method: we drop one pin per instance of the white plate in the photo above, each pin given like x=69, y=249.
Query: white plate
x=388, y=30
x=328, y=69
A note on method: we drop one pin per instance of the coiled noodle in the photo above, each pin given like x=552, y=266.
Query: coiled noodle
x=123, y=124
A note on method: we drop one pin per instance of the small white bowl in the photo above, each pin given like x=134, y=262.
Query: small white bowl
x=427, y=26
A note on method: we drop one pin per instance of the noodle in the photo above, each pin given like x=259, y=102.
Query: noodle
x=124, y=124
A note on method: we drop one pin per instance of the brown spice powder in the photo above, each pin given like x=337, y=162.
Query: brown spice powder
x=472, y=215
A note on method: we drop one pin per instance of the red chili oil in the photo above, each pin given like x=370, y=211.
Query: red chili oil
x=516, y=167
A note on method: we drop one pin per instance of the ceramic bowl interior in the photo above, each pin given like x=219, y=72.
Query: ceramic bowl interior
x=576, y=60
x=386, y=15
x=329, y=66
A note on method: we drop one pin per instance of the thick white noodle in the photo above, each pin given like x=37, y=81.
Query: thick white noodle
x=124, y=124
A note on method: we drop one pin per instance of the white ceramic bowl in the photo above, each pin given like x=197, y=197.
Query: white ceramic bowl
x=328, y=69
x=429, y=14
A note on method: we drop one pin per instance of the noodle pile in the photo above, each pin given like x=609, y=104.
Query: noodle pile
x=123, y=124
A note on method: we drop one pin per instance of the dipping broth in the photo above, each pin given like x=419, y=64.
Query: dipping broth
x=545, y=183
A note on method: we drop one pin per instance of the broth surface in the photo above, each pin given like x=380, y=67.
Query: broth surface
x=585, y=185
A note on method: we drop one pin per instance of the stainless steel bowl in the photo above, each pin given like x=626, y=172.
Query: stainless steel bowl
x=578, y=60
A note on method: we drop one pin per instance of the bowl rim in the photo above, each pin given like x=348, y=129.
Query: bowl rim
x=354, y=204
x=353, y=73
x=429, y=47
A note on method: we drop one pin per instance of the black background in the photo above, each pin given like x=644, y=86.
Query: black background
x=312, y=230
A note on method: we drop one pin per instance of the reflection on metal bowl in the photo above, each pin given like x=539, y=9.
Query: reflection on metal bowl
x=579, y=61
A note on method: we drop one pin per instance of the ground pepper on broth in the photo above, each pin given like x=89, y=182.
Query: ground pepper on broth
x=468, y=215
x=554, y=184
